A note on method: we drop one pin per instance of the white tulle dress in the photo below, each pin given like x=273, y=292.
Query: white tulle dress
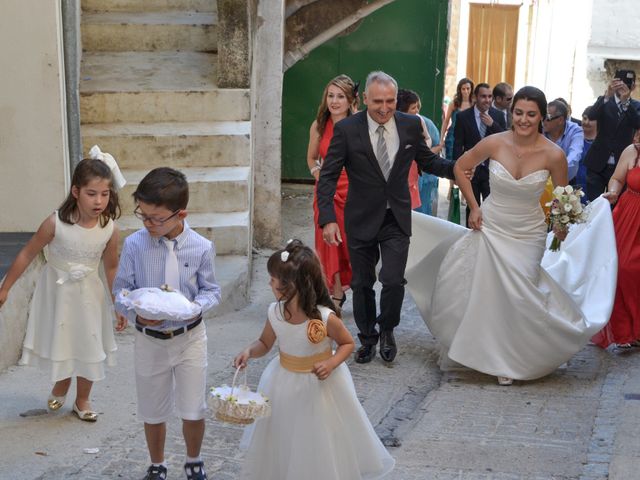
x=317, y=429
x=70, y=326
x=499, y=302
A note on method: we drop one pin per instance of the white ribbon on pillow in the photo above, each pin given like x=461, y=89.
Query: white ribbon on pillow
x=118, y=178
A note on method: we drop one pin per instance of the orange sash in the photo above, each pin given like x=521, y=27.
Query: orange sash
x=303, y=364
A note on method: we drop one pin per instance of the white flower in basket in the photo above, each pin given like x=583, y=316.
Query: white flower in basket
x=238, y=404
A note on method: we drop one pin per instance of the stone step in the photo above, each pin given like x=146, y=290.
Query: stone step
x=147, y=71
x=150, y=86
x=177, y=106
x=216, y=189
x=149, y=31
x=148, y=5
x=228, y=231
x=233, y=276
x=140, y=146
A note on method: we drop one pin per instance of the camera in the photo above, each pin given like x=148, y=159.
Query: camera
x=626, y=76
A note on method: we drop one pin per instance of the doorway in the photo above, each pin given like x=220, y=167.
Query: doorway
x=492, y=43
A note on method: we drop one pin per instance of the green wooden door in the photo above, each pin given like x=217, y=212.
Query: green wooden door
x=407, y=39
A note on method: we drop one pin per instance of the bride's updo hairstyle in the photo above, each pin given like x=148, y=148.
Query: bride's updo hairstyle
x=532, y=94
x=298, y=270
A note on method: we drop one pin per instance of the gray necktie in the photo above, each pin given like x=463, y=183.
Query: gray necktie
x=171, y=272
x=482, y=128
x=382, y=153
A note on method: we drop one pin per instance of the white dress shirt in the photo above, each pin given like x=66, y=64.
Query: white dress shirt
x=390, y=137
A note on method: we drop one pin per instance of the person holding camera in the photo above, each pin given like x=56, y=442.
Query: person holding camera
x=618, y=116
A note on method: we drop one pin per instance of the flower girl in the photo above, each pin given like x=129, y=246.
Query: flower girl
x=317, y=429
x=70, y=326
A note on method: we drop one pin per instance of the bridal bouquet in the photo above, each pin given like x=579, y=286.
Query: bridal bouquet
x=565, y=210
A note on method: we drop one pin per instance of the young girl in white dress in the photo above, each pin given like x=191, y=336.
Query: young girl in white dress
x=317, y=428
x=70, y=326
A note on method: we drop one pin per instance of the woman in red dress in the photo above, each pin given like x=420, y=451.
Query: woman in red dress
x=623, y=328
x=339, y=100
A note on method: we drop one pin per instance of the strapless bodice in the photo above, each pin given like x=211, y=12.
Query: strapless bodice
x=513, y=206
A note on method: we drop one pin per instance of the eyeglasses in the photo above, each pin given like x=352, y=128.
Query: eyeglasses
x=153, y=221
x=550, y=118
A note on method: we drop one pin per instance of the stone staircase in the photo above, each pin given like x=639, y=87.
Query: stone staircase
x=148, y=96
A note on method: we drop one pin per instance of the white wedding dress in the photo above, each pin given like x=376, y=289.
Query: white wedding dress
x=499, y=302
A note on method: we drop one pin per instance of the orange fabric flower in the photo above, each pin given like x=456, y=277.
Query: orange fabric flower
x=316, y=331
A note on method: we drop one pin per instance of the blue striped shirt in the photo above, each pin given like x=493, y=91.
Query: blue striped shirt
x=142, y=264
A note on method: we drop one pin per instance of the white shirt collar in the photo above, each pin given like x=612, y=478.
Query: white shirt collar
x=390, y=126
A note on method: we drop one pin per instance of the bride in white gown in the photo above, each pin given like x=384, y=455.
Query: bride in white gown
x=487, y=294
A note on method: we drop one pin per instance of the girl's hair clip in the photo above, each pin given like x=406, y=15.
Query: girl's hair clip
x=289, y=241
x=284, y=256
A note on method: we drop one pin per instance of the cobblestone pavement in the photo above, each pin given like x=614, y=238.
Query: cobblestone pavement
x=580, y=423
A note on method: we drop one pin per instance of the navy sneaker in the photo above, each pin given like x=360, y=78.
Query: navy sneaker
x=195, y=471
x=154, y=472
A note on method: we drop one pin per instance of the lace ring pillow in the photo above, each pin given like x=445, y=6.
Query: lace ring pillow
x=159, y=304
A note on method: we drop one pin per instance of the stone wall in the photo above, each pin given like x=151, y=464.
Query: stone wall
x=33, y=137
x=267, y=44
x=233, y=44
x=14, y=313
x=613, y=43
x=308, y=22
x=451, y=71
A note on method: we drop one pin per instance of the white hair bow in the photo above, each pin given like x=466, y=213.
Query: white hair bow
x=118, y=178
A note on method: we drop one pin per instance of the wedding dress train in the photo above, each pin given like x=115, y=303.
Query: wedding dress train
x=499, y=302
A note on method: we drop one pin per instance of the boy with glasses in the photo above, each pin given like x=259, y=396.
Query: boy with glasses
x=170, y=356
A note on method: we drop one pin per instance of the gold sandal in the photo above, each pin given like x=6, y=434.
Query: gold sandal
x=55, y=403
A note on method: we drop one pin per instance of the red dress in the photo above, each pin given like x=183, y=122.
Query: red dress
x=624, y=325
x=334, y=259
x=414, y=191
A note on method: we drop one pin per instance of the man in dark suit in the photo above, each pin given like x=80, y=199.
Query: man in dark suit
x=472, y=125
x=618, y=116
x=502, y=99
x=376, y=147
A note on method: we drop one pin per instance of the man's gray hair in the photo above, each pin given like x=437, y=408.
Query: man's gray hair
x=561, y=107
x=380, y=77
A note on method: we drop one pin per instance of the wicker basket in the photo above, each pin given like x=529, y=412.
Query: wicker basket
x=238, y=404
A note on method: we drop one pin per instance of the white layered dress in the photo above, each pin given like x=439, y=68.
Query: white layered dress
x=70, y=326
x=317, y=429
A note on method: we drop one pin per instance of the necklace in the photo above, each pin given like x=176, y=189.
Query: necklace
x=523, y=151
x=515, y=151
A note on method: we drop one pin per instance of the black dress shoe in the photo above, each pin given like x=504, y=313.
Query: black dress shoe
x=388, y=347
x=365, y=353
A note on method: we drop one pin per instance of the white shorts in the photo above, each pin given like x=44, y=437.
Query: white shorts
x=171, y=376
